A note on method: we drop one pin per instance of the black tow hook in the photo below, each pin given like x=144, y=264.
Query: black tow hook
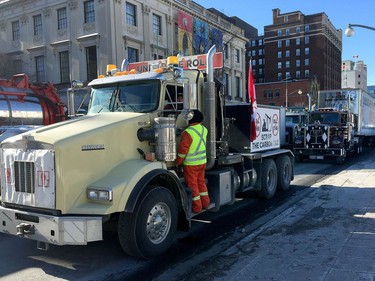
x=25, y=229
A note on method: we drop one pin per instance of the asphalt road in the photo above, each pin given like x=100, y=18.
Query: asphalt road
x=211, y=233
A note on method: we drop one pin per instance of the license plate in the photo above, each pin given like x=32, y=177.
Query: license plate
x=316, y=157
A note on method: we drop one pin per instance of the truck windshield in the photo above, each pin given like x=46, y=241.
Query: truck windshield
x=325, y=118
x=296, y=119
x=137, y=96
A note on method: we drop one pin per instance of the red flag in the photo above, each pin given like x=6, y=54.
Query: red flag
x=253, y=103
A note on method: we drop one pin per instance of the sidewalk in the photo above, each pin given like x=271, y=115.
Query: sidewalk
x=329, y=235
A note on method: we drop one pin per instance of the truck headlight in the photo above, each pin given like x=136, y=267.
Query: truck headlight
x=99, y=194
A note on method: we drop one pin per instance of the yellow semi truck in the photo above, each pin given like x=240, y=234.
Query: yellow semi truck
x=61, y=183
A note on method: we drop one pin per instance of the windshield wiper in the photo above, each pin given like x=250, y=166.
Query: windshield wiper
x=113, y=100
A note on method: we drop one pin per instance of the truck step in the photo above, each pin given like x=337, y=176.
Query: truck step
x=210, y=207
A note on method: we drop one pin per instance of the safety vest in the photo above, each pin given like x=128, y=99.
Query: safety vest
x=197, y=150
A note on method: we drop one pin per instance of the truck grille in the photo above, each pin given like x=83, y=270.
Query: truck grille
x=24, y=173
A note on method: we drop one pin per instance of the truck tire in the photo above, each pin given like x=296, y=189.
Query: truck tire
x=284, y=172
x=268, y=179
x=149, y=230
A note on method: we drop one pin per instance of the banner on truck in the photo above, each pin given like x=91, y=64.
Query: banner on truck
x=267, y=128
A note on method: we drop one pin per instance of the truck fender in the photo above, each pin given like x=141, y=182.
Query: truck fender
x=157, y=177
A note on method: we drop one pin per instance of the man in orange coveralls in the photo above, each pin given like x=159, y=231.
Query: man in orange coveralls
x=192, y=154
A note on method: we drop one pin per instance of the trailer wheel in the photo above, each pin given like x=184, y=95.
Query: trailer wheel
x=284, y=172
x=149, y=231
x=268, y=179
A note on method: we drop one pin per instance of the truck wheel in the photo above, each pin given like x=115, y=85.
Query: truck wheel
x=284, y=172
x=150, y=229
x=268, y=179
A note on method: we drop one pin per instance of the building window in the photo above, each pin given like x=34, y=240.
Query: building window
x=279, y=76
x=307, y=74
x=279, y=32
x=287, y=31
x=237, y=55
x=133, y=55
x=37, y=20
x=298, y=74
x=260, y=52
x=287, y=64
x=298, y=52
x=287, y=43
x=156, y=24
x=286, y=18
x=89, y=11
x=307, y=28
x=265, y=94
x=287, y=75
x=307, y=51
x=39, y=69
x=298, y=41
x=62, y=19
x=225, y=51
x=16, y=31
x=298, y=63
x=64, y=67
x=260, y=71
x=279, y=55
x=253, y=53
x=131, y=15
x=91, y=63
x=307, y=61
x=226, y=84
x=270, y=94
x=298, y=29
x=260, y=42
x=253, y=62
x=307, y=39
x=260, y=61
x=253, y=43
x=287, y=54
x=279, y=65
x=238, y=87
x=157, y=57
x=277, y=93
x=279, y=44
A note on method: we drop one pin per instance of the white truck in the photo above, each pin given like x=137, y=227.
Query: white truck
x=61, y=183
x=343, y=123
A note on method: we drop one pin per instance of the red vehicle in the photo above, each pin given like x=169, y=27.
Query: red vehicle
x=28, y=105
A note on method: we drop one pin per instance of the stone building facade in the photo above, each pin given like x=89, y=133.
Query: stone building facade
x=65, y=40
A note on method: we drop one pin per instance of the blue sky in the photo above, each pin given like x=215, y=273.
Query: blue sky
x=340, y=13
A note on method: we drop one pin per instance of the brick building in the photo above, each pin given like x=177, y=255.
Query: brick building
x=296, y=52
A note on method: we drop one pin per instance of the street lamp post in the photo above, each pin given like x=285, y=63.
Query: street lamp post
x=350, y=31
x=286, y=89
